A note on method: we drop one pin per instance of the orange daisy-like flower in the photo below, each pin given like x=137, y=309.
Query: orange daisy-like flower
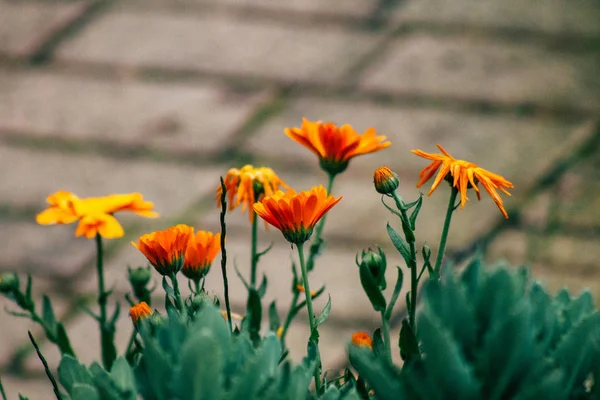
x=462, y=175
x=60, y=209
x=362, y=339
x=140, y=311
x=334, y=145
x=201, y=251
x=248, y=185
x=295, y=214
x=104, y=225
x=165, y=250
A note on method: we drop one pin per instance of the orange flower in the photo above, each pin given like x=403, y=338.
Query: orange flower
x=105, y=225
x=165, y=250
x=334, y=145
x=385, y=180
x=249, y=185
x=201, y=251
x=133, y=202
x=301, y=289
x=140, y=311
x=295, y=214
x=362, y=339
x=60, y=211
x=462, y=175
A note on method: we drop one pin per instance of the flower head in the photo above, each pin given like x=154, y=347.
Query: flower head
x=295, y=214
x=104, y=225
x=133, y=202
x=462, y=175
x=60, y=209
x=362, y=339
x=248, y=185
x=385, y=180
x=140, y=311
x=165, y=250
x=201, y=251
x=334, y=145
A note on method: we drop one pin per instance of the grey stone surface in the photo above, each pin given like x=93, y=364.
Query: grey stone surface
x=219, y=45
x=24, y=26
x=549, y=16
x=467, y=67
x=172, y=117
x=38, y=388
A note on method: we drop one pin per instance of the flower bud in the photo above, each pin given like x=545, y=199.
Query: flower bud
x=374, y=260
x=9, y=282
x=385, y=180
x=362, y=339
x=140, y=311
x=139, y=277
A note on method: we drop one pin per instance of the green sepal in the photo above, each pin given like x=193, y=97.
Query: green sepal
x=409, y=346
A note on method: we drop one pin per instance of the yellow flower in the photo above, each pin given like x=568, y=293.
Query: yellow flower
x=133, y=202
x=201, y=251
x=385, y=180
x=301, y=289
x=105, y=225
x=140, y=311
x=295, y=214
x=248, y=185
x=165, y=250
x=334, y=145
x=279, y=332
x=60, y=211
x=462, y=175
x=362, y=339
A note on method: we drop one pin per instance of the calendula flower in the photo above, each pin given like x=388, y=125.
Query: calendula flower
x=334, y=145
x=462, y=175
x=301, y=289
x=105, y=225
x=60, y=209
x=140, y=311
x=133, y=202
x=248, y=185
x=165, y=250
x=295, y=214
x=385, y=180
x=201, y=251
x=362, y=339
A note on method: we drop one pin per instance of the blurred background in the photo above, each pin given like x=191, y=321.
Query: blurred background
x=163, y=96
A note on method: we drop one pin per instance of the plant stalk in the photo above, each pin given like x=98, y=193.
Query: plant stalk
x=445, y=231
x=224, y=252
x=253, y=245
x=317, y=241
x=106, y=336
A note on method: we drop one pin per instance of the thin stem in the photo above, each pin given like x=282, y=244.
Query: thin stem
x=311, y=315
x=197, y=285
x=445, y=230
x=106, y=336
x=316, y=244
x=385, y=327
x=224, y=252
x=253, y=245
x=178, y=300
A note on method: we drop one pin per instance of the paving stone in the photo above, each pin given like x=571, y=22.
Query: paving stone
x=25, y=26
x=218, y=44
x=172, y=189
x=172, y=117
x=576, y=206
x=38, y=388
x=552, y=16
x=474, y=68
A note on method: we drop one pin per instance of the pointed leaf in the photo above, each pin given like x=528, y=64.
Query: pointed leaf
x=48, y=314
x=415, y=213
x=378, y=345
x=84, y=392
x=274, y=320
x=400, y=245
x=324, y=314
x=262, y=289
x=62, y=340
x=409, y=347
x=71, y=372
x=371, y=288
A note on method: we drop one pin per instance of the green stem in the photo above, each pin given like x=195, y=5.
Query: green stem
x=178, y=300
x=442, y=247
x=197, y=286
x=317, y=241
x=224, y=252
x=385, y=327
x=254, y=259
x=311, y=315
x=106, y=335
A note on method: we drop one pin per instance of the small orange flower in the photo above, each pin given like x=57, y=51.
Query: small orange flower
x=140, y=311
x=60, y=211
x=201, y=251
x=301, y=289
x=334, y=145
x=165, y=250
x=295, y=214
x=462, y=175
x=385, y=180
x=248, y=185
x=105, y=225
x=362, y=339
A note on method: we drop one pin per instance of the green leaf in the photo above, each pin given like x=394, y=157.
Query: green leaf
x=378, y=345
x=415, y=213
x=409, y=346
x=71, y=372
x=239, y=274
x=105, y=385
x=21, y=397
x=167, y=288
x=62, y=340
x=48, y=314
x=274, y=320
x=371, y=288
x=122, y=375
x=262, y=289
x=324, y=314
x=254, y=314
x=28, y=289
x=395, y=294
x=381, y=376
x=84, y=392
x=400, y=245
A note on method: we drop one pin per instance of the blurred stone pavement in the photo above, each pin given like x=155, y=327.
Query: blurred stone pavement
x=163, y=96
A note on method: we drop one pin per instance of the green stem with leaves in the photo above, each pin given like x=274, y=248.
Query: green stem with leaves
x=253, y=246
x=385, y=327
x=106, y=331
x=177, y=293
x=317, y=241
x=311, y=316
x=446, y=229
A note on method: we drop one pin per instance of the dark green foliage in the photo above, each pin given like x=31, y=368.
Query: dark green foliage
x=493, y=334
